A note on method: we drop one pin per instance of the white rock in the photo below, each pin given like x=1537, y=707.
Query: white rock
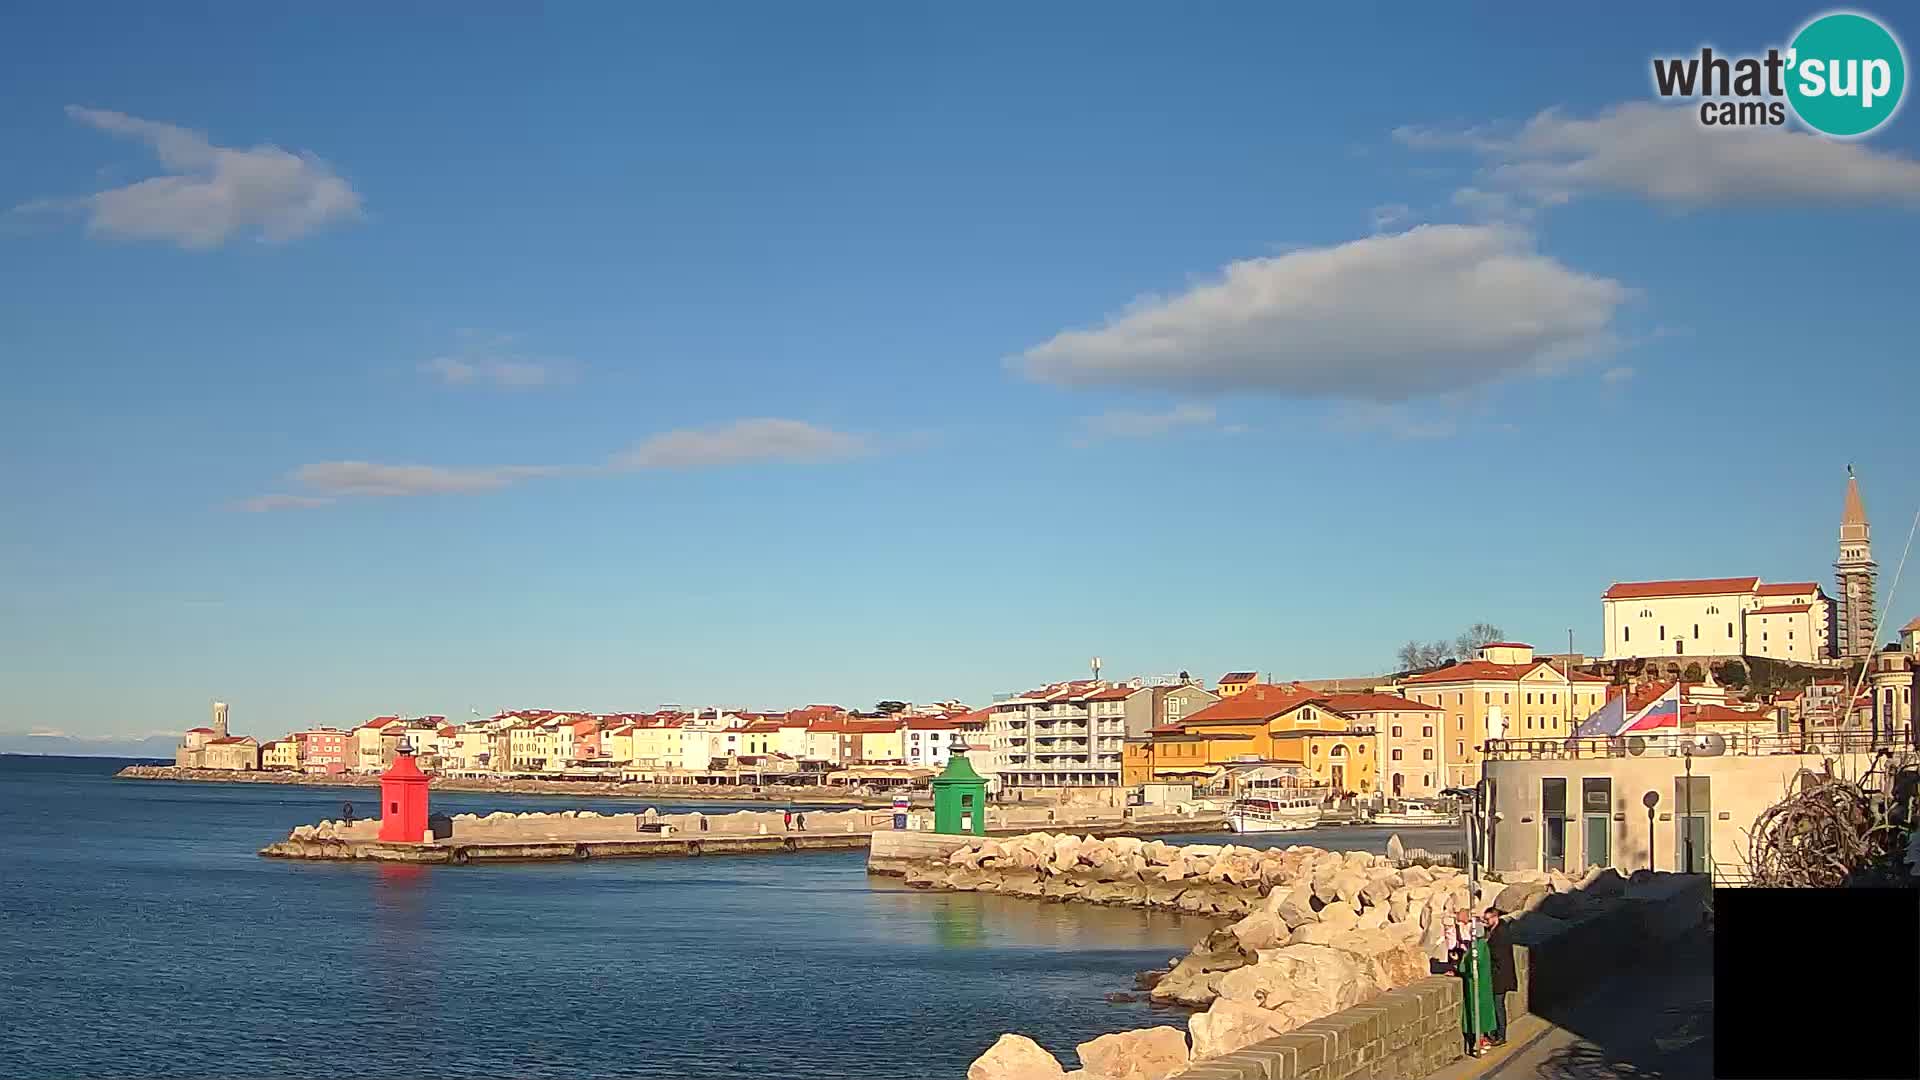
x=1154, y=1053
x=1015, y=1057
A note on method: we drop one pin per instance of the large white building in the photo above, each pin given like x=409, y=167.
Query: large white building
x=1065, y=735
x=1743, y=616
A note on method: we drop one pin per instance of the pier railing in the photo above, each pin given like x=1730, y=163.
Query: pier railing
x=1679, y=744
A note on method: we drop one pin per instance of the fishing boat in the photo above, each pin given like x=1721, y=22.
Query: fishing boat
x=1274, y=812
x=1411, y=812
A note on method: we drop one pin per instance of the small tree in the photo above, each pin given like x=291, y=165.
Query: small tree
x=1733, y=673
x=1693, y=673
x=1474, y=638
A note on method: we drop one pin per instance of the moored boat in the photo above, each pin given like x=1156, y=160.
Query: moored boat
x=1411, y=812
x=1274, y=813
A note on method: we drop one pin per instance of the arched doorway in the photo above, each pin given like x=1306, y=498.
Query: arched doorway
x=1398, y=780
x=1337, y=767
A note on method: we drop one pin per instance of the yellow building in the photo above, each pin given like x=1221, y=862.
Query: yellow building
x=1235, y=683
x=1504, y=693
x=658, y=744
x=1261, y=725
x=281, y=754
x=238, y=753
x=617, y=743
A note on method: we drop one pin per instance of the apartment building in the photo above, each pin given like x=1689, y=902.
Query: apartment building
x=1068, y=734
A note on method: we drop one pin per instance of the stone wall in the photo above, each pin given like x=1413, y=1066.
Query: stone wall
x=1402, y=1034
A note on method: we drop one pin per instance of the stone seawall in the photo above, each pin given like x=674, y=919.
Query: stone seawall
x=704, y=793
x=1330, y=974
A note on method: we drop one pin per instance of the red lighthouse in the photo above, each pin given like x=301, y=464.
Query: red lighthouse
x=403, y=800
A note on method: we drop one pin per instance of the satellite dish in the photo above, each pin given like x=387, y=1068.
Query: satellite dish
x=1637, y=745
x=1710, y=744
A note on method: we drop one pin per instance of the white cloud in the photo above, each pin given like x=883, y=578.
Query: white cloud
x=211, y=193
x=496, y=360
x=1386, y=318
x=512, y=374
x=366, y=478
x=1663, y=153
x=1390, y=215
x=740, y=443
x=260, y=504
x=1126, y=424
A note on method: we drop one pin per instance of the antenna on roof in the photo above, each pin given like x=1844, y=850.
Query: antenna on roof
x=1096, y=669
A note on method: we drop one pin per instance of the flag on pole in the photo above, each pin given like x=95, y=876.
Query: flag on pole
x=1609, y=719
x=1663, y=711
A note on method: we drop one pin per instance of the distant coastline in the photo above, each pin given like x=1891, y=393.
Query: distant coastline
x=596, y=789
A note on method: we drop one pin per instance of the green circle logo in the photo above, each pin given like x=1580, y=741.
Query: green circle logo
x=1845, y=74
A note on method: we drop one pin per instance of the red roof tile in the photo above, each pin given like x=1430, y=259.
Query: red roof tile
x=1487, y=671
x=199, y=731
x=1641, y=590
x=1709, y=714
x=872, y=727
x=1359, y=703
x=1914, y=625
x=934, y=723
x=1257, y=702
x=1787, y=588
x=1781, y=609
x=1114, y=693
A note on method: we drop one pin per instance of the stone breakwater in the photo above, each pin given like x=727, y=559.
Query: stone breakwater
x=704, y=793
x=1318, y=932
x=582, y=834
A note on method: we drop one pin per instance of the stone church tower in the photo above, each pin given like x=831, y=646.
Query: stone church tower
x=1856, y=570
x=219, y=719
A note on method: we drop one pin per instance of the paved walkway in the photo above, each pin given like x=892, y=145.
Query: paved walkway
x=1652, y=1022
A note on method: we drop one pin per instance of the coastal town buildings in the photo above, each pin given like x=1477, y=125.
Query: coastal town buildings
x=1263, y=726
x=1503, y=692
x=1718, y=618
x=192, y=751
x=280, y=754
x=1058, y=736
x=1406, y=740
x=322, y=750
x=1890, y=675
x=1152, y=703
x=232, y=753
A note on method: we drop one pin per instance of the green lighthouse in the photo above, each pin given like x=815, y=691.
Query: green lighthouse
x=959, y=796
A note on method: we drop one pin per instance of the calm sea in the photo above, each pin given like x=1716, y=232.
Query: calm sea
x=141, y=936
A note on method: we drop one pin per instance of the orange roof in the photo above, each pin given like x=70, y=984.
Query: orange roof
x=1782, y=609
x=1487, y=671
x=976, y=718
x=763, y=725
x=872, y=727
x=935, y=723
x=1358, y=703
x=1260, y=701
x=1788, y=588
x=1641, y=590
x=199, y=731
x=1114, y=693
x=1239, y=676
x=1914, y=625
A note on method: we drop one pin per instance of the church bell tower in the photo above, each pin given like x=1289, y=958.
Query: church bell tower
x=1856, y=572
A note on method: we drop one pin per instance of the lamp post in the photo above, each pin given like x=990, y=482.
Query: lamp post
x=1650, y=800
x=1686, y=813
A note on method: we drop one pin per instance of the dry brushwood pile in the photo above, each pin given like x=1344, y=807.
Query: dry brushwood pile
x=1830, y=832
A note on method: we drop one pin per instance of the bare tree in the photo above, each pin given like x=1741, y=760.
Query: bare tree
x=1474, y=638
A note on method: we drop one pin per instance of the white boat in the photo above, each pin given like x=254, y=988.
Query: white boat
x=1413, y=812
x=1274, y=813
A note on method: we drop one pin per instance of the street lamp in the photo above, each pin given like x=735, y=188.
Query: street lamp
x=1650, y=800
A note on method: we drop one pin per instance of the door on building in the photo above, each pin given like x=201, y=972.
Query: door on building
x=1596, y=806
x=1553, y=823
x=1693, y=840
x=1397, y=780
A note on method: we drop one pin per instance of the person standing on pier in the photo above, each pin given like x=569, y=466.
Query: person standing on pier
x=800, y=821
x=1500, y=970
x=786, y=822
x=1472, y=960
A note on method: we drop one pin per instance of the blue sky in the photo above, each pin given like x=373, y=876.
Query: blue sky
x=767, y=354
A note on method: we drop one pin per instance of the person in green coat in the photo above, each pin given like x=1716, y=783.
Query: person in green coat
x=1473, y=961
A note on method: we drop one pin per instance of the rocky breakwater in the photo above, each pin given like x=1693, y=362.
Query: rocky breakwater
x=1331, y=931
x=1201, y=879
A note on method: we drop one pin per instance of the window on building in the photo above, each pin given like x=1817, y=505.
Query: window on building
x=1663, y=633
x=1506, y=699
x=1396, y=754
x=1626, y=633
x=1696, y=631
x=1529, y=699
x=1396, y=731
x=1729, y=629
x=1459, y=722
x=1427, y=754
x=1426, y=779
x=1459, y=699
x=1426, y=731
x=1459, y=748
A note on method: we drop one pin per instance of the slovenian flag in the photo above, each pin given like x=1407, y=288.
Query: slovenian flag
x=1663, y=711
x=1607, y=721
